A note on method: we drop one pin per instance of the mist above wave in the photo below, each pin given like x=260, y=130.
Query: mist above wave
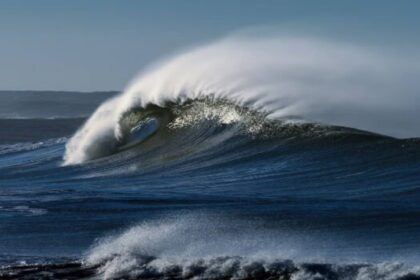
x=284, y=77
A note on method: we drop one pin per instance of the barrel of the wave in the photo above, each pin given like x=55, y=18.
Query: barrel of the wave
x=141, y=132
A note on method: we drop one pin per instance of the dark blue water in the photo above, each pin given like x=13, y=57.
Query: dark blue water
x=215, y=194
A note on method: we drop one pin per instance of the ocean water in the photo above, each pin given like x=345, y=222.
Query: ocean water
x=208, y=174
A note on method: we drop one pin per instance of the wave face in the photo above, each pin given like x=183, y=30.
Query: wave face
x=313, y=80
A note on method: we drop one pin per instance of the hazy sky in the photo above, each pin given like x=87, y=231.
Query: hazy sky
x=101, y=45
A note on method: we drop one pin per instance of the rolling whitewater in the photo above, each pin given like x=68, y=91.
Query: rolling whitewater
x=247, y=158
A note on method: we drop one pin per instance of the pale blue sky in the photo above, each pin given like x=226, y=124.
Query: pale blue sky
x=101, y=45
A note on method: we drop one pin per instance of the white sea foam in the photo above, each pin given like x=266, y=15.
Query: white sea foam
x=188, y=241
x=209, y=247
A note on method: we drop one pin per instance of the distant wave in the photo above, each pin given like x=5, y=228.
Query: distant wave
x=37, y=129
x=284, y=78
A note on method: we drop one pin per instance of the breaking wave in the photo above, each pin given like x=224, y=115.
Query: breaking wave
x=199, y=248
x=299, y=80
